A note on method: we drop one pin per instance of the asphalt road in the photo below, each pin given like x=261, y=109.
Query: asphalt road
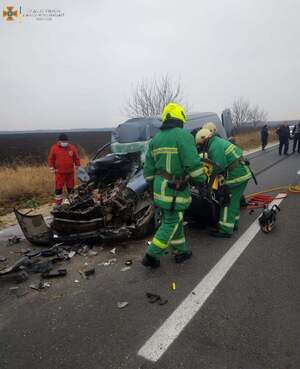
x=249, y=317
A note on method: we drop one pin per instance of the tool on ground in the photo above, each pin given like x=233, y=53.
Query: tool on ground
x=259, y=201
x=268, y=218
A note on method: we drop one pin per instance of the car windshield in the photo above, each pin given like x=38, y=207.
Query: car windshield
x=136, y=130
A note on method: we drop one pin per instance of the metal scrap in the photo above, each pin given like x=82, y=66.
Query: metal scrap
x=14, y=240
x=15, y=267
x=89, y=272
x=41, y=266
x=40, y=286
x=55, y=273
x=153, y=297
x=17, y=277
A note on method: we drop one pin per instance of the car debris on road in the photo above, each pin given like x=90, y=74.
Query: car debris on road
x=109, y=262
x=125, y=269
x=13, y=240
x=153, y=297
x=122, y=304
x=40, y=286
x=45, y=261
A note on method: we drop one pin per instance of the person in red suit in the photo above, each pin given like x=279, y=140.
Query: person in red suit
x=62, y=158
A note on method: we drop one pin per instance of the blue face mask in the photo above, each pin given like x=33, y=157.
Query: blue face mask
x=63, y=144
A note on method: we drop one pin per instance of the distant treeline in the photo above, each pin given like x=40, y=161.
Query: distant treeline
x=32, y=148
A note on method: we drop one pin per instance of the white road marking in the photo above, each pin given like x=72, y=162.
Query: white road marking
x=160, y=341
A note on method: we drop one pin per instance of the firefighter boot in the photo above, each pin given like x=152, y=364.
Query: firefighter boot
x=150, y=261
x=180, y=258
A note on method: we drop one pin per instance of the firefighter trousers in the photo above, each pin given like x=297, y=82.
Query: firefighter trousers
x=230, y=215
x=170, y=233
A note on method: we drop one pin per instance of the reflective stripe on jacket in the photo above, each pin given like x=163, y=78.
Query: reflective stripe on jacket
x=223, y=153
x=173, y=151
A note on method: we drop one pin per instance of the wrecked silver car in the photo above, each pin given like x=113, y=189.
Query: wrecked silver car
x=113, y=201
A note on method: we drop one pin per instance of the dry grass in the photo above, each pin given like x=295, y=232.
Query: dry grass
x=26, y=186
x=251, y=140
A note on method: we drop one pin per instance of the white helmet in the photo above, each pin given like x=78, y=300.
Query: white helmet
x=202, y=135
x=211, y=127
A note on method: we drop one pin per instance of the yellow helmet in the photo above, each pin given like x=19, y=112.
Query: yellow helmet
x=173, y=111
x=202, y=135
x=211, y=127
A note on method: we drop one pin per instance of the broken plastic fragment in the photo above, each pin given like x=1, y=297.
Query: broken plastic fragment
x=39, y=286
x=109, y=262
x=92, y=253
x=122, y=304
x=71, y=254
x=125, y=269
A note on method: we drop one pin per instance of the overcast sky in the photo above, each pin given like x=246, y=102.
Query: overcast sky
x=77, y=71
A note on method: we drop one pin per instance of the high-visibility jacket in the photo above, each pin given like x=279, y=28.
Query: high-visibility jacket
x=63, y=159
x=172, y=150
x=224, y=153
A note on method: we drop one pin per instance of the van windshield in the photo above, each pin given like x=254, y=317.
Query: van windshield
x=136, y=130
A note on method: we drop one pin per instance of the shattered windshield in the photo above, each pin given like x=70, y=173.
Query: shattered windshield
x=134, y=135
x=126, y=148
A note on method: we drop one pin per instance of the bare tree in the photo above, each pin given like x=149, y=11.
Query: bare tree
x=243, y=112
x=257, y=115
x=149, y=97
x=240, y=111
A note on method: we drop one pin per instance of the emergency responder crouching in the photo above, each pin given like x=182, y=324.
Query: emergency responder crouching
x=171, y=162
x=61, y=160
x=211, y=127
x=228, y=158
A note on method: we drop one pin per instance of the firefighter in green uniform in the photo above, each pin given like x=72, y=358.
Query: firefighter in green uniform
x=229, y=158
x=171, y=163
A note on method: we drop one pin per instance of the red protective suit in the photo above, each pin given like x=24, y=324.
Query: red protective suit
x=62, y=160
